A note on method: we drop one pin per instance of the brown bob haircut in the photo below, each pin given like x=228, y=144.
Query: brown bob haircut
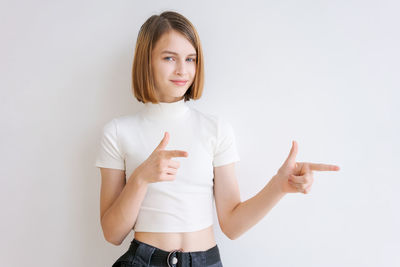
x=150, y=32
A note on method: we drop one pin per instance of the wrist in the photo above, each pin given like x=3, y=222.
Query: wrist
x=137, y=179
x=277, y=184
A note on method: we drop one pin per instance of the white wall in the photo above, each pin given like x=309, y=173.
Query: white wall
x=324, y=73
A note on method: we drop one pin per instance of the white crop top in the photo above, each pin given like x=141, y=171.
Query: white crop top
x=186, y=203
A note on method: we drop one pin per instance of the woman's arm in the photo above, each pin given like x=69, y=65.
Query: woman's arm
x=236, y=217
x=119, y=203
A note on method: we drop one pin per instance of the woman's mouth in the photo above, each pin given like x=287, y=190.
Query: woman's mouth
x=179, y=82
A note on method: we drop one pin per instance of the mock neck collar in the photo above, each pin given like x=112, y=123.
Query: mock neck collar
x=165, y=110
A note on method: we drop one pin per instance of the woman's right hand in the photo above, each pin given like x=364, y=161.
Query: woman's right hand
x=159, y=166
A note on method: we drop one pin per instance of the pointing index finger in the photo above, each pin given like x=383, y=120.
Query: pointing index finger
x=177, y=153
x=323, y=167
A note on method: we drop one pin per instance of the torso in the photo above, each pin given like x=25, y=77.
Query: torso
x=188, y=242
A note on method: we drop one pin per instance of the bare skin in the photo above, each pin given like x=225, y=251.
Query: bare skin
x=191, y=241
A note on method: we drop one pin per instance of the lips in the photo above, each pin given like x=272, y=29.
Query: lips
x=179, y=82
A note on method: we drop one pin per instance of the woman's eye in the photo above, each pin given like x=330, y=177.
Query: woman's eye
x=190, y=59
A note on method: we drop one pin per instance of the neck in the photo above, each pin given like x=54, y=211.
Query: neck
x=165, y=110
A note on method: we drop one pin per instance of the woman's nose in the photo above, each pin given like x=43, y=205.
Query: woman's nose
x=180, y=68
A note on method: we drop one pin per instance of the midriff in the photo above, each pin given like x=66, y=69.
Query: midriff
x=188, y=242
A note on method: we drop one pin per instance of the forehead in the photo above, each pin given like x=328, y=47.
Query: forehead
x=174, y=41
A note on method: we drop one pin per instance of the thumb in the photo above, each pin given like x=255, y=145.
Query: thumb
x=292, y=154
x=164, y=142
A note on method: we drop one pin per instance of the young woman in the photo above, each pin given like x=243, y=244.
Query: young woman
x=178, y=160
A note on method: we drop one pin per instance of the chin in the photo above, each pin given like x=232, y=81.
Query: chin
x=182, y=93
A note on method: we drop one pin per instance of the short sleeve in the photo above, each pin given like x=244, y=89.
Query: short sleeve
x=226, y=151
x=109, y=153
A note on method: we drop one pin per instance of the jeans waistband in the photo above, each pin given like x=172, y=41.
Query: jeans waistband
x=177, y=258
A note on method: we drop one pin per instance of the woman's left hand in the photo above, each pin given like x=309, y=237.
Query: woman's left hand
x=295, y=177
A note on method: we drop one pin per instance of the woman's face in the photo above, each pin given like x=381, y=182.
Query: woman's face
x=173, y=59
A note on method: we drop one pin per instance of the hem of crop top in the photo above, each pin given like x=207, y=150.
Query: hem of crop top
x=171, y=229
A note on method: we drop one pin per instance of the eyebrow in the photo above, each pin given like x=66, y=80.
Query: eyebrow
x=170, y=52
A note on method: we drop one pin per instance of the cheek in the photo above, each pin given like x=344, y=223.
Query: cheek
x=166, y=70
x=160, y=73
x=192, y=70
x=161, y=69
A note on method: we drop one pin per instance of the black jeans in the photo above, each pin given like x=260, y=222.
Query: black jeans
x=141, y=254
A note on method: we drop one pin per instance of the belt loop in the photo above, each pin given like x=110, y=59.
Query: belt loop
x=198, y=259
x=143, y=255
